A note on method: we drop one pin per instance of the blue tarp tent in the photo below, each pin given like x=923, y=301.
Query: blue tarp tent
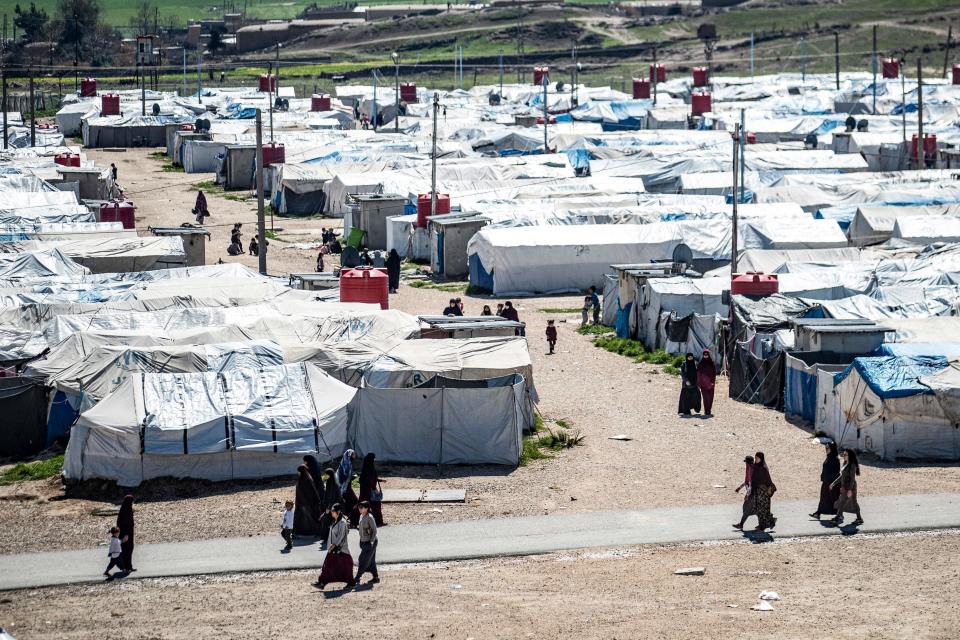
x=894, y=376
x=949, y=350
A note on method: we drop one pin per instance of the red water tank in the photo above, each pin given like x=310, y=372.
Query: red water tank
x=956, y=74
x=751, y=137
x=67, y=159
x=891, y=68
x=753, y=283
x=641, y=89
x=365, y=284
x=320, y=102
x=109, y=104
x=88, y=87
x=539, y=73
x=700, y=103
x=699, y=76
x=267, y=83
x=273, y=153
x=118, y=211
x=552, y=120
x=423, y=207
x=659, y=72
x=929, y=147
x=408, y=92
x=186, y=127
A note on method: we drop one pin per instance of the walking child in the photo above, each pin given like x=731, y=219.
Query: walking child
x=114, y=552
x=585, y=312
x=286, y=525
x=367, y=562
x=551, y=335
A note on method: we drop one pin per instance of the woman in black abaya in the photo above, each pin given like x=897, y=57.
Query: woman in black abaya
x=689, y=391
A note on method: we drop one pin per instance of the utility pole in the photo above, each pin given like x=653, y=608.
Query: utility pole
x=803, y=59
x=184, y=72
x=199, y=82
x=836, y=55
x=654, y=75
x=501, y=73
x=396, y=78
x=751, y=54
x=143, y=92
x=873, y=60
x=433, y=157
x=546, y=115
x=742, y=141
x=733, y=235
x=946, y=54
x=277, y=92
x=903, y=99
x=33, y=115
x=4, y=79
x=270, y=96
x=373, y=116
x=261, y=230
x=921, y=147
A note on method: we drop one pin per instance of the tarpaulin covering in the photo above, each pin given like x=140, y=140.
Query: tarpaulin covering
x=241, y=423
x=442, y=421
x=894, y=377
x=945, y=385
x=23, y=404
x=756, y=380
x=800, y=380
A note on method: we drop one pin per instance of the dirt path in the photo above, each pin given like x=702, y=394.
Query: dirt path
x=836, y=588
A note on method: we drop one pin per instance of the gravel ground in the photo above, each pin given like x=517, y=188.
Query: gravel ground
x=670, y=460
x=829, y=588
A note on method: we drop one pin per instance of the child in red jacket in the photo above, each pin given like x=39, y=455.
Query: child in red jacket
x=551, y=335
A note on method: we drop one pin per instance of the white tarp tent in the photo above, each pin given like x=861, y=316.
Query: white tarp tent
x=243, y=423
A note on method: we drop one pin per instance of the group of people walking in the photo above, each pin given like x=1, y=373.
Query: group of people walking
x=325, y=506
x=698, y=380
x=838, y=489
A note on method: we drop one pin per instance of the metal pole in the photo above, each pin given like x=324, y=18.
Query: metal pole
x=461, y=66
x=433, y=158
x=751, y=55
x=5, y=142
x=946, y=54
x=921, y=147
x=501, y=74
x=270, y=96
x=143, y=92
x=546, y=115
x=803, y=59
x=373, y=116
x=733, y=235
x=199, y=82
x=33, y=117
x=261, y=231
x=873, y=60
x=742, y=141
x=278, y=70
x=184, y=72
x=903, y=102
x=396, y=76
x=836, y=56
x=653, y=75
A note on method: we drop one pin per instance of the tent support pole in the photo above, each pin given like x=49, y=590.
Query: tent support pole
x=261, y=231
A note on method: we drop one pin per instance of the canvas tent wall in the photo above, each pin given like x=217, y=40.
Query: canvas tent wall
x=800, y=379
x=879, y=405
x=245, y=423
x=442, y=421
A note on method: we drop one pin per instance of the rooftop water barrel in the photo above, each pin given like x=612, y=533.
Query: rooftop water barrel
x=118, y=211
x=365, y=284
x=641, y=89
x=109, y=104
x=891, y=68
x=753, y=283
x=319, y=102
x=700, y=103
x=699, y=76
x=423, y=207
x=408, y=92
x=88, y=87
x=273, y=153
x=658, y=72
x=267, y=83
x=67, y=159
x=539, y=73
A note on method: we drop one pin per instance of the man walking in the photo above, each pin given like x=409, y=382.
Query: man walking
x=368, y=544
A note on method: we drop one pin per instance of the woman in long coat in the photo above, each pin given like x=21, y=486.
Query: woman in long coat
x=393, y=270
x=126, y=525
x=689, y=392
x=829, y=494
x=306, y=506
x=848, y=488
x=763, y=490
x=706, y=380
x=331, y=496
x=338, y=565
x=369, y=484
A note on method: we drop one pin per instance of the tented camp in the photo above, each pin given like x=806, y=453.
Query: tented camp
x=881, y=405
x=242, y=423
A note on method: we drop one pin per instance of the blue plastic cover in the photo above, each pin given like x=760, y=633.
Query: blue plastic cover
x=799, y=389
x=622, y=325
x=895, y=376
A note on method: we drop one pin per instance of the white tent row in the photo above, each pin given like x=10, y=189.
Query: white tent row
x=103, y=255
x=875, y=224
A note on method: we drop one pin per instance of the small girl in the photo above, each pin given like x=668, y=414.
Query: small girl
x=114, y=552
x=551, y=335
x=585, y=312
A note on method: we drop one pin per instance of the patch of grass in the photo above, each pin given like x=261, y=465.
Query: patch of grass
x=635, y=350
x=560, y=310
x=560, y=439
x=594, y=329
x=208, y=185
x=450, y=287
x=33, y=471
x=531, y=451
x=239, y=196
x=166, y=161
x=563, y=424
x=672, y=370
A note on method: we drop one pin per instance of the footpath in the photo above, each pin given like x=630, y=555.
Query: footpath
x=471, y=539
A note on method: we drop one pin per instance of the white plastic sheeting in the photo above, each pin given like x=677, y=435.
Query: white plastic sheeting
x=946, y=389
x=927, y=229
x=240, y=423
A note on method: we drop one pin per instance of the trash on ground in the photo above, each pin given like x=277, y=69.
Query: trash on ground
x=769, y=595
x=691, y=571
x=620, y=436
x=763, y=605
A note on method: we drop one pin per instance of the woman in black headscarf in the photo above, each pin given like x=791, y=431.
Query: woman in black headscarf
x=370, y=487
x=331, y=496
x=763, y=490
x=393, y=270
x=314, y=468
x=689, y=391
x=125, y=524
x=828, y=473
x=306, y=506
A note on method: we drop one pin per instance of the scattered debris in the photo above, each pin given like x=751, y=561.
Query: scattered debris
x=769, y=595
x=719, y=486
x=620, y=436
x=763, y=605
x=733, y=606
x=105, y=511
x=690, y=571
x=456, y=586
